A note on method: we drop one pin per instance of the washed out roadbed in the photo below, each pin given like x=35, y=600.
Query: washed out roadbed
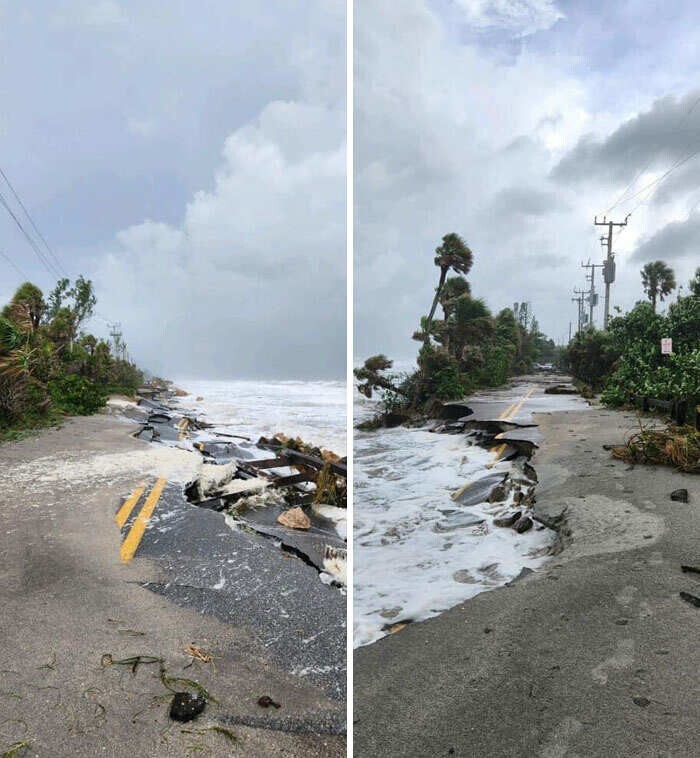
x=596, y=654
x=68, y=601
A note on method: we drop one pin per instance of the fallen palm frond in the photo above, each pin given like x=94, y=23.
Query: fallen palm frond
x=677, y=446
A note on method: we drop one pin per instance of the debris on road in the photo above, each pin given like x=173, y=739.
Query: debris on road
x=680, y=496
x=692, y=599
x=199, y=654
x=185, y=706
x=677, y=446
x=265, y=701
x=294, y=518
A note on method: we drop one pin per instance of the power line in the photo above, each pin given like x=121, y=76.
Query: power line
x=45, y=262
x=14, y=265
x=31, y=221
x=649, y=162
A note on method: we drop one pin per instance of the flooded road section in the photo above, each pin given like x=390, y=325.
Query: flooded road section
x=426, y=502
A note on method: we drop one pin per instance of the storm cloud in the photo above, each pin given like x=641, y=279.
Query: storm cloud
x=513, y=124
x=677, y=240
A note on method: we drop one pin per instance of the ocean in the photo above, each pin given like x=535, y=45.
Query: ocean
x=312, y=410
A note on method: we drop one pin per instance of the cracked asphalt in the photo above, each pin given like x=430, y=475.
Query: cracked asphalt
x=67, y=599
x=595, y=655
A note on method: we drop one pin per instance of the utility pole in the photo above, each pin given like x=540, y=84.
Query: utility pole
x=609, y=263
x=116, y=335
x=579, y=300
x=592, y=294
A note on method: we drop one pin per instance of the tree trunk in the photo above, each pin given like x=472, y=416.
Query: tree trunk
x=653, y=301
x=429, y=320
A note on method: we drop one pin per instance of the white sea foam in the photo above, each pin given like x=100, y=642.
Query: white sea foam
x=313, y=410
x=412, y=559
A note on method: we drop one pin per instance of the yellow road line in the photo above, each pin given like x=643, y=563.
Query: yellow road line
x=512, y=412
x=133, y=538
x=498, y=449
x=127, y=506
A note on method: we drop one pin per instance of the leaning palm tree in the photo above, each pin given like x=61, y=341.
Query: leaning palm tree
x=658, y=281
x=452, y=254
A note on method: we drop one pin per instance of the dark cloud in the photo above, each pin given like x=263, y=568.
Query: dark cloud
x=655, y=139
x=677, y=240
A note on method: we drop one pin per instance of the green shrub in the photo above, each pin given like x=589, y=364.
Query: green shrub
x=77, y=395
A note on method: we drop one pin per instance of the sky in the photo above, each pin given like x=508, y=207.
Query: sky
x=513, y=123
x=189, y=158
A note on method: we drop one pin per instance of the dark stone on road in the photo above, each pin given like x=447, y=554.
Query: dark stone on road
x=680, y=496
x=523, y=524
x=185, y=706
x=642, y=702
x=508, y=520
x=692, y=599
x=266, y=702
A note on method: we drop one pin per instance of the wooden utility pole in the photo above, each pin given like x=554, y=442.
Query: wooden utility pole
x=609, y=263
x=579, y=301
x=592, y=294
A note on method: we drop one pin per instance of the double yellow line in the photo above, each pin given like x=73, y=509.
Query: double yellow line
x=508, y=415
x=138, y=528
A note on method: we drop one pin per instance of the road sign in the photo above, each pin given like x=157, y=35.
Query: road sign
x=666, y=346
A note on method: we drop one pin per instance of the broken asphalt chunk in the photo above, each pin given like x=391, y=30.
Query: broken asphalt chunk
x=523, y=524
x=680, y=496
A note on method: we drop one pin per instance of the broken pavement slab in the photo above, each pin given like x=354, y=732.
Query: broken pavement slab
x=244, y=578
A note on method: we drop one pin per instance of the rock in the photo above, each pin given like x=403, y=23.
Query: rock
x=523, y=524
x=507, y=520
x=642, y=702
x=265, y=701
x=498, y=494
x=185, y=706
x=680, y=496
x=294, y=518
x=199, y=398
x=692, y=599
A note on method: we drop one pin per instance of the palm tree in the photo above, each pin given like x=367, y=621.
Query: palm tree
x=695, y=284
x=658, y=281
x=452, y=254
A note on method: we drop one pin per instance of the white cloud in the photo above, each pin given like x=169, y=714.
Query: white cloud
x=518, y=17
x=256, y=269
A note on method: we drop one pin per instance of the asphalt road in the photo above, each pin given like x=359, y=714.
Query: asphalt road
x=68, y=598
x=594, y=656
